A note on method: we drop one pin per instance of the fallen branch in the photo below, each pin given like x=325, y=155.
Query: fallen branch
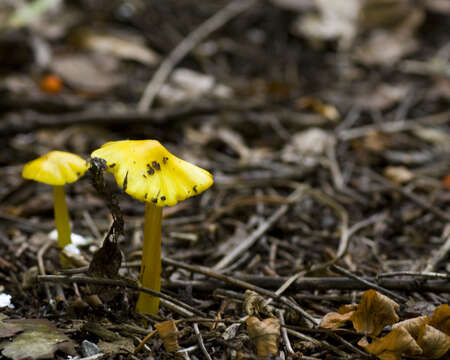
x=186, y=45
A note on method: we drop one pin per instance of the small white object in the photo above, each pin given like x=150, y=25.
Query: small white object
x=192, y=81
x=5, y=301
x=72, y=249
x=77, y=240
x=189, y=85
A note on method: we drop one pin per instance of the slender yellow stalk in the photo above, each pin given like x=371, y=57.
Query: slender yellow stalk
x=61, y=216
x=151, y=259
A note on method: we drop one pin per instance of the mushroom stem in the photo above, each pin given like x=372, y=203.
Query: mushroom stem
x=61, y=216
x=151, y=259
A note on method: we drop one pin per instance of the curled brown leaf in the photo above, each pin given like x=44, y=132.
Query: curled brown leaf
x=168, y=332
x=265, y=335
x=393, y=345
x=441, y=319
x=335, y=320
x=374, y=312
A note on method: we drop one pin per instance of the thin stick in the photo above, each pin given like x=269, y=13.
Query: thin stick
x=41, y=266
x=255, y=235
x=242, y=284
x=431, y=275
x=113, y=282
x=369, y=284
x=186, y=45
x=144, y=341
x=395, y=126
x=284, y=334
x=200, y=342
x=413, y=197
x=441, y=253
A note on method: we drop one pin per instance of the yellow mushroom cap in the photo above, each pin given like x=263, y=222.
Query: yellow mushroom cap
x=150, y=173
x=55, y=168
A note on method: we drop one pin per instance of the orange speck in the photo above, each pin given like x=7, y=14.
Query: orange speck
x=446, y=181
x=51, y=84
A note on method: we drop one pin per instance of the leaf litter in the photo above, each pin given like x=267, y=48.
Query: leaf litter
x=346, y=107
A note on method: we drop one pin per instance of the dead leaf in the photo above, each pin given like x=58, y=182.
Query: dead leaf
x=120, y=346
x=335, y=320
x=265, y=335
x=377, y=14
x=392, y=346
x=306, y=146
x=434, y=343
x=441, y=319
x=386, y=47
x=383, y=96
x=168, y=332
x=87, y=73
x=415, y=326
x=40, y=340
x=8, y=330
x=375, y=141
x=374, y=312
x=399, y=174
x=328, y=111
x=255, y=304
x=337, y=20
x=121, y=45
x=187, y=85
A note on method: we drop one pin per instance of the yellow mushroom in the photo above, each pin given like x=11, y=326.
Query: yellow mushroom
x=57, y=168
x=150, y=173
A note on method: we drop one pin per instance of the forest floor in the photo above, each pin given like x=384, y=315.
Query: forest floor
x=327, y=131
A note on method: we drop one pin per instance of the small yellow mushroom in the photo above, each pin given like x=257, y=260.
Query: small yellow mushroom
x=57, y=168
x=150, y=173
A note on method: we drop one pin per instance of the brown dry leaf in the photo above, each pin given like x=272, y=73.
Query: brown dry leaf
x=335, y=20
x=117, y=43
x=386, y=47
x=441, y=319
x=415, y=326
x=168, y=332
x=328, y=111
x=8, y=330
x=399, y=174
x=255, y=304
x=335, y=320
x=433, y=342
x=265, y=335
x=120, y=346
x=39, y=340
x=375, y=141
x=393, y=345
x=87, y=73
x=374, y=312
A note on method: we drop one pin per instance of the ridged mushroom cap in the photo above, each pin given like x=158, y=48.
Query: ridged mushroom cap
x=150, y=173
x=55, y=168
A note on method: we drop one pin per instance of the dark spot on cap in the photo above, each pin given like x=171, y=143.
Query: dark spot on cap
x=154, y=200
x=78, y=173
x=125, y=182
x=165, y=158
x=195, y=188
x=150, y=170
x=163, y=198
x=156, y=165
x=112, y=165
x=145, y=196
x=144, y=176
